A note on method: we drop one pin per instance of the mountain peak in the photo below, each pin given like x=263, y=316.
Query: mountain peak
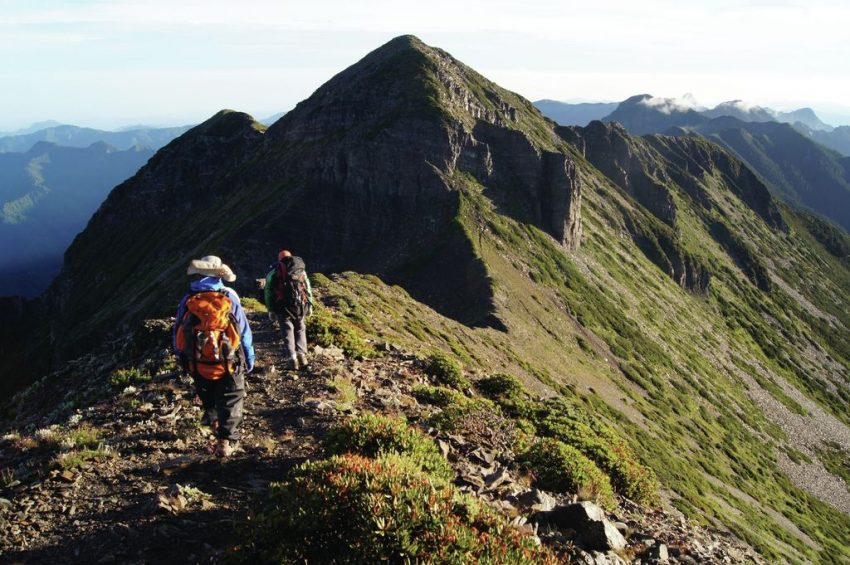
x=405, y=79
x=407, y=41
x=226, y=123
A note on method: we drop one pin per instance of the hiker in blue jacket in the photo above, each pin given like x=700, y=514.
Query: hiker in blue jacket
x=222, y=394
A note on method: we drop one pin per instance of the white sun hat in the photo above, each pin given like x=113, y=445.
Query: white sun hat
x=210, y=266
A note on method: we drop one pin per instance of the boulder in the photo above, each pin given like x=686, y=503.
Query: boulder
x=534, y=500
x=601, y=536
x=658, y=552
x=593, y=530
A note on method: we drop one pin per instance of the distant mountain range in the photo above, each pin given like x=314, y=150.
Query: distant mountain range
x=575, y=114
x=652, y=114
x=47, y=194
x=272, y=119
x=75, y=136
x=32, y=128
x=793, y=159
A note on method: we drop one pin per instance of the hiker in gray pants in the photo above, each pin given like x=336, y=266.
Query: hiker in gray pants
x=289, y=299
x=294, y=334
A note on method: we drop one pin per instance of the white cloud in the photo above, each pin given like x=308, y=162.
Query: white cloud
x=668, y=105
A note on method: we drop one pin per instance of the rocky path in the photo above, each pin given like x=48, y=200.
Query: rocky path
x=158, y=494
x=161, y=495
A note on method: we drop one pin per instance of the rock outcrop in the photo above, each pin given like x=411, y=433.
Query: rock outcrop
x=628, y=162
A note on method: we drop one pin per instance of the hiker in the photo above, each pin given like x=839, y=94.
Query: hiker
x=213, y=341
x=289, y=298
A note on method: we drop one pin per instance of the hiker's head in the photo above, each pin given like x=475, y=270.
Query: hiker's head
x=283, y=255
x=210, y=266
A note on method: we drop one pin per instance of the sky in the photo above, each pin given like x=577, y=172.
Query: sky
x=116, y=63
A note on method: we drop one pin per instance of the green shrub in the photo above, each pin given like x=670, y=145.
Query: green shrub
x=345, y=393
x=122, y=378
x=438, y=395
x=507, y=392
x=253, y=305
x=452, y=416
x=327, y=330
x=500, y=385
x=562, y=468
x=446, y=370
x=78, y=458
x=608, y=450
x=373, y=435
x=354, y=509
x=84, y=436
x=318, y=280
x=479, y=420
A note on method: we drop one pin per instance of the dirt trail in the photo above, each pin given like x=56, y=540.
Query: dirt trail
x=127, y=509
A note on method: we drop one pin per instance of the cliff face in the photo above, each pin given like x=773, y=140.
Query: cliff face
x=628, y=162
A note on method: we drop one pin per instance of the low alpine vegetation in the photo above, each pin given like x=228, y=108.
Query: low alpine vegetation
x=121, y=378
x=78, y=458
x=478, y=420
x=253, y=305
x=372, y=435
x=559, y=467
x=446, y=371
x=354, y=509
x=575, y=428
x=344, y=392
x=507, y=392
x=437, y=395
x=327, y=330
x=500, y=385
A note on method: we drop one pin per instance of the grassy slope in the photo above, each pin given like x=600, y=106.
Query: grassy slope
x=671, y=368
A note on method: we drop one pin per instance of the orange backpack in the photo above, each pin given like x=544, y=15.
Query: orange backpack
x=207, y=336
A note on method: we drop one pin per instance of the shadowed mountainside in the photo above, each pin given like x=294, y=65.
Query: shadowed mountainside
x=47, y=195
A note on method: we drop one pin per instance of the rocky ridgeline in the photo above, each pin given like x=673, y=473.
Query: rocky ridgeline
x=100, y=473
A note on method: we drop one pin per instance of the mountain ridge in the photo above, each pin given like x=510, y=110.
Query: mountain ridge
x=795, y=167
x=804, y=120
x=75, y=136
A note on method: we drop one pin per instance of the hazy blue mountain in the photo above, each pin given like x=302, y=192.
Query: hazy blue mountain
x=741, y=110
x=644, y=113
x=47, y=195
x=567, y=114
x=804, y=116
x=744, y=111
x=272, y=119
x=32, y=128
x=790, y=158
x=74, y=136
x=837, y=139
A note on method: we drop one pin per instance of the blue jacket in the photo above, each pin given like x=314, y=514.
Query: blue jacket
x=214, y=283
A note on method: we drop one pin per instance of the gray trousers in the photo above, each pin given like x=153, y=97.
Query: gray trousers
x=294, y=334
x=222, y=401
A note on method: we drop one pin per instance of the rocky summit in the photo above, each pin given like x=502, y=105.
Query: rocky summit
x=535, y=344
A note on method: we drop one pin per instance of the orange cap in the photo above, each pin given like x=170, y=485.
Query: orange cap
x=283, y=254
